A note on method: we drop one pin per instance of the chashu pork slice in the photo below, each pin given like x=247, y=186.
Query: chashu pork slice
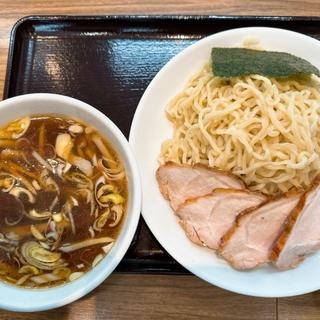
x=248, y=244
x=301, y=235
x=206, y=219
x=179, y=183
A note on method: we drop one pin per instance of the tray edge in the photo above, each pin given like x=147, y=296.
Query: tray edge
x=140, y=17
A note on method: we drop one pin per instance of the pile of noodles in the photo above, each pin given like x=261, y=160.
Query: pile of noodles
x=264, y=130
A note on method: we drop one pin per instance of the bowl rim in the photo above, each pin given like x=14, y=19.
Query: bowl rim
x=29, y=300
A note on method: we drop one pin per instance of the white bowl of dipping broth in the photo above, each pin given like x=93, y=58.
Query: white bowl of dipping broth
x=20, y=299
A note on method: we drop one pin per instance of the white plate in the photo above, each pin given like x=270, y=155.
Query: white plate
x=150, y=128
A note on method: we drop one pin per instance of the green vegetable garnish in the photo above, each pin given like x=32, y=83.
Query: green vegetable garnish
x=234, y=62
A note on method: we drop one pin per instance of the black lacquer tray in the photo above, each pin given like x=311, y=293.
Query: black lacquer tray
x=108, y=61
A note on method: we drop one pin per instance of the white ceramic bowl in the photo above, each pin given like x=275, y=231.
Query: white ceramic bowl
x=19, y=299
x=150, y=127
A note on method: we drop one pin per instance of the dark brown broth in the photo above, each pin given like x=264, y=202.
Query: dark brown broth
x=10, y=206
